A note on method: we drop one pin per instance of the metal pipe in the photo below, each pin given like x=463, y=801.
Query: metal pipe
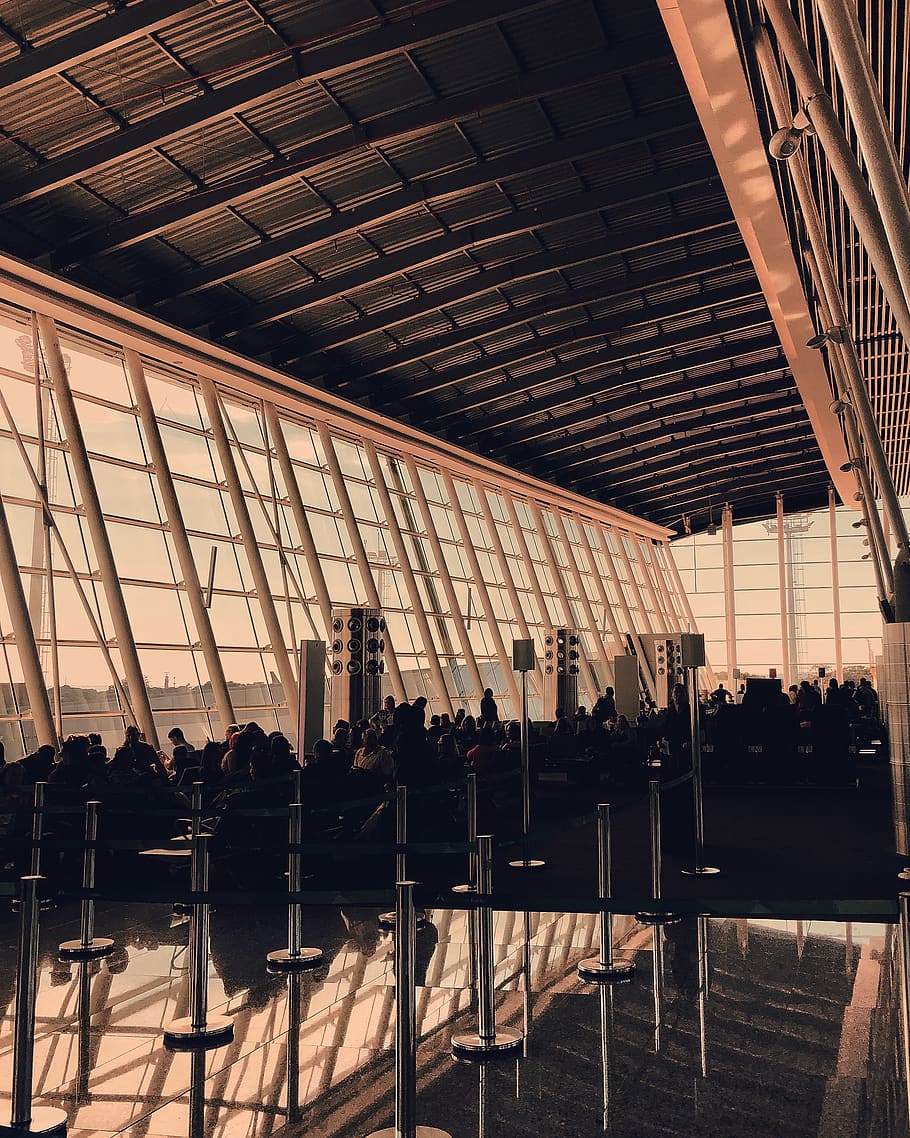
x=782, y=590
x=182, y=547
x=702, y=940
x=88, y=873
x=835, y=588
x=486, y=1017
x=293, y=1048
x=29, y=660
x=401, y=832
x=654, y=809
x=139, y=707
x=863, y=211
x=525, y=762
x=295, y=878
x=199, y=934
x=889, y=184
x=37, y=829
x=698, y=803
x=471, y=808
x=26, y=993
x=405, y=1011
x=604, y=875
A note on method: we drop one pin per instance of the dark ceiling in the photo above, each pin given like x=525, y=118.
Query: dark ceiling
x=498, y=220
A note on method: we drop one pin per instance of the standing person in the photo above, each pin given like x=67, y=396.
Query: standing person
x=489, y=712
x=605, y=707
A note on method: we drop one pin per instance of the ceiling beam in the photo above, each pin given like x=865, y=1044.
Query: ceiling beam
x=435, y=188
x=387, y=267
x=585, y=338
x=516, y=272
x=290, y=66
x=234, y=97
x=115, y=29
x=655, y=380
x=728, y=389
x=600, y=443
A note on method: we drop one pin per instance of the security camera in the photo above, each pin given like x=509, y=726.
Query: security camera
x=784, y=143
x=839, y=406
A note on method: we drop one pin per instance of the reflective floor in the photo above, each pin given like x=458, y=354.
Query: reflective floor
x=753, y=1028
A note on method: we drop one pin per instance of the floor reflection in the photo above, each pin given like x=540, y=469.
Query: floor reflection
x=730, y=1027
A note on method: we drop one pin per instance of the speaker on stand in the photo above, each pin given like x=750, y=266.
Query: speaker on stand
x=562, y=654
x=358, y=649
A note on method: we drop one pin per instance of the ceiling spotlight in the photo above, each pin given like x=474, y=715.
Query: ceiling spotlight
x=853, y=464
x=858, y=496
x=839, y=406
x=865, y=557
x=859, y=524
x=835, y=335
x=786, y=141
x=712, y=528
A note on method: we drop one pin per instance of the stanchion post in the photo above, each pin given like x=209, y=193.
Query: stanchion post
x=182, y=908
x=406, y=1022
x=37, y=829
x=654, y=917
x=388, y=920
x=604, y=968
x=199, y=1029
x=699, y=869
x=88, y=947
x=24, y=1119
x=471, y=885
x=294, y=958
x=525, y=862
x=488, y=1039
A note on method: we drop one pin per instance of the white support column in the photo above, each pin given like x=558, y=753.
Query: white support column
x=782, y=590
x=505, y=659
x=139, y=709
x=448, y=588
x=659, y=613
x=593, y=688
x=503, y=563
x=633, y=584
x=283, y=661
x=410, y=581
x=360, y=553
x=835, y=589
x=27, y=649
x=691, y=625
x=643, y=662
x=179, y=537
x=298, y=509
x=585, y=601
x=729, y=590
x=619, y=648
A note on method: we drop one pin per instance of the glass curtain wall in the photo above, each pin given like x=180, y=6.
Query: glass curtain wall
x=176, y=538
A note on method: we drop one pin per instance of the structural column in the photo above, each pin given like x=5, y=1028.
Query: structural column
x=410, y=581
x=782, y=591
x=29, y=661
x=181, y=541
x=583, y=596
x=519, y=533
x=633, y=584
x=251, y=546
x=505, y=661
x=729, y=590
x=835, y=588
x=300, y=519
x=618, y=647
x=363, y=563
x=448, y=588
x=643, y=661
x=139, y=709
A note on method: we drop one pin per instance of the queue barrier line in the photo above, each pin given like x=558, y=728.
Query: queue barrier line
x=672, y=783
x=50, y=845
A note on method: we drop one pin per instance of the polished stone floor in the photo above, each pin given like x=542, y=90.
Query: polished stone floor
x=757, y=1027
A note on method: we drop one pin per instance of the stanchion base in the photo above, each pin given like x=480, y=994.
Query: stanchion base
x=387, y=920
x=472, y=1045
x=182, y=908
x=45, y=905
x=703, y=871
x=44, y=1120
x=657, y=918
x=303, y=961
x=619, y=972
x=180, y=1035
x=904, y=874
x=527, y=863
x=419, y=1131
x=464, y=888
x=94, y=950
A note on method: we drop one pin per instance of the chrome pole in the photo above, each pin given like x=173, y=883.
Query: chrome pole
x=487, y=1039
x=387, y=920
x=604, y=967
x=37, y=829
x=700, y=869
x=295, y=957
x=199, y=1030
x=525, y=862
x=471, y=885
x=88, y=947
x=293, y=1049
x=23, y=1118
x=903, y=932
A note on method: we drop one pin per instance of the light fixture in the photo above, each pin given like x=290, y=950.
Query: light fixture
x=839, y=406
x=833, y=335
x=860, y=523
x=853, y=464
x=712, y=528
x=786, y=141
x=865, y=557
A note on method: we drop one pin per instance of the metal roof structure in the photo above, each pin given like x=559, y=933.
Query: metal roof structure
x=503, y=221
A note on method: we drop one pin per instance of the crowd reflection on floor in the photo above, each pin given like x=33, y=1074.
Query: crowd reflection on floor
x=753, y=1026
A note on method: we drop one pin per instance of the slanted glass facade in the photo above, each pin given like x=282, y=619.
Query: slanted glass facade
x=178, y=531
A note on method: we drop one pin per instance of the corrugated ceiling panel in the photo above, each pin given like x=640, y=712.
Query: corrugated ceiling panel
x=470, y=208
x=434, y=152
x=40, y=21
x=443, y=61
x=341, y=255
x=310, y=21
x=505, y=130
x=354, y=178
x=384, y=85
x=272, y=280
x=403, y=232
x=553, y=34
x=229, y=43
x=52, y=118
x=598, y=103
x=137, y=80
x=146, y=180
x=283, y=208
x=295, y=115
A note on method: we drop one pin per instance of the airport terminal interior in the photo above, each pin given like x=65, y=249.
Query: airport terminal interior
x=455, y=614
